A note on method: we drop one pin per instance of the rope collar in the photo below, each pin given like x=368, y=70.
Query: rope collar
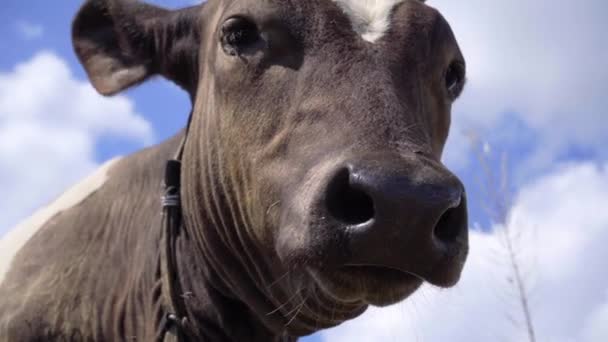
x=174, y=322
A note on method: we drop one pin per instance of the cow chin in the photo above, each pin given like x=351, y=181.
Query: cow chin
x=324, y=261
x=339, y=272
x=376, y=286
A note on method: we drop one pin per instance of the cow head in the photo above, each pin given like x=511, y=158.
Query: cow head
x=312, y=180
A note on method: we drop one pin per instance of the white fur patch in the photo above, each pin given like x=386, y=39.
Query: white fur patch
x=370, y=18
x=18, y=236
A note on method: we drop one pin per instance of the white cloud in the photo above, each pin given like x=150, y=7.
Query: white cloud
x=564, y=223
x=543, y=61
x=29, y=30
x=50, y=124
x=596, y=327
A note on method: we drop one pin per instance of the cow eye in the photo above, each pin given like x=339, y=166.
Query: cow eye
x=454, y=79
x=238, y=35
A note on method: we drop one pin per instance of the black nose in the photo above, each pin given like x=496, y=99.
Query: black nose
x=405, y=213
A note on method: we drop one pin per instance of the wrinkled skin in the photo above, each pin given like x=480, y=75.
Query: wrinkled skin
x=282, y=118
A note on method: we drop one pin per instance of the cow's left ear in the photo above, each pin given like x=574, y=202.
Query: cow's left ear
x=121, y=43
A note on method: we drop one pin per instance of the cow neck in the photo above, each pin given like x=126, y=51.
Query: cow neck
x=175, y=321
x=248, y=302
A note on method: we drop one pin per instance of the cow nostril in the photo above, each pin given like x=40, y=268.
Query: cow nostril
x=451, y=223
x=346, y=203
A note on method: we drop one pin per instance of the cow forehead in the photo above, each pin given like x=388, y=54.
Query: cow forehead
x=369, y=18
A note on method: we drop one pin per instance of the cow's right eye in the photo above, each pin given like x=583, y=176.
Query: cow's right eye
x=238, y=35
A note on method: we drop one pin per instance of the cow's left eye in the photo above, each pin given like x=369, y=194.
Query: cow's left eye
x=454, y=79
x=238, y=34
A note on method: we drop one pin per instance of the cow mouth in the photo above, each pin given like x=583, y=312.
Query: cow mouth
x=371, y=284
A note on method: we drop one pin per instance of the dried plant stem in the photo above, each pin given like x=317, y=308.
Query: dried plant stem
x=520, y=286
x=498, y=208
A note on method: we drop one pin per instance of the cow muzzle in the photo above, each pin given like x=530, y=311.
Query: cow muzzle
x=401, y=220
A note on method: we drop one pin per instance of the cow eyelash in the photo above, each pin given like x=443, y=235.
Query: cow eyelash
x=237, y=35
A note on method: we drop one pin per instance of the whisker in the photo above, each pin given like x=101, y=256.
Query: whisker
x=276, y=281
x=272, y=206
x=297, y=310
x=286, y=302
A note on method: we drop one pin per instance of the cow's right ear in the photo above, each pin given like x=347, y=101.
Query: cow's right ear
x=121, y=43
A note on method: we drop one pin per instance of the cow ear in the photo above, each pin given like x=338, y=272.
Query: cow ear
x=121, y=43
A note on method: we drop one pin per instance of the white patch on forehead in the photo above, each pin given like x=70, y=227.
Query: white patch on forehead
x=18, y=236
x=369, y=18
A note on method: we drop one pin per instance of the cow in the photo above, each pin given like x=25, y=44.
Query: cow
x=307, y=185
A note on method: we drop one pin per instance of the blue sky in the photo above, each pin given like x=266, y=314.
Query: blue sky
x=536, y=94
